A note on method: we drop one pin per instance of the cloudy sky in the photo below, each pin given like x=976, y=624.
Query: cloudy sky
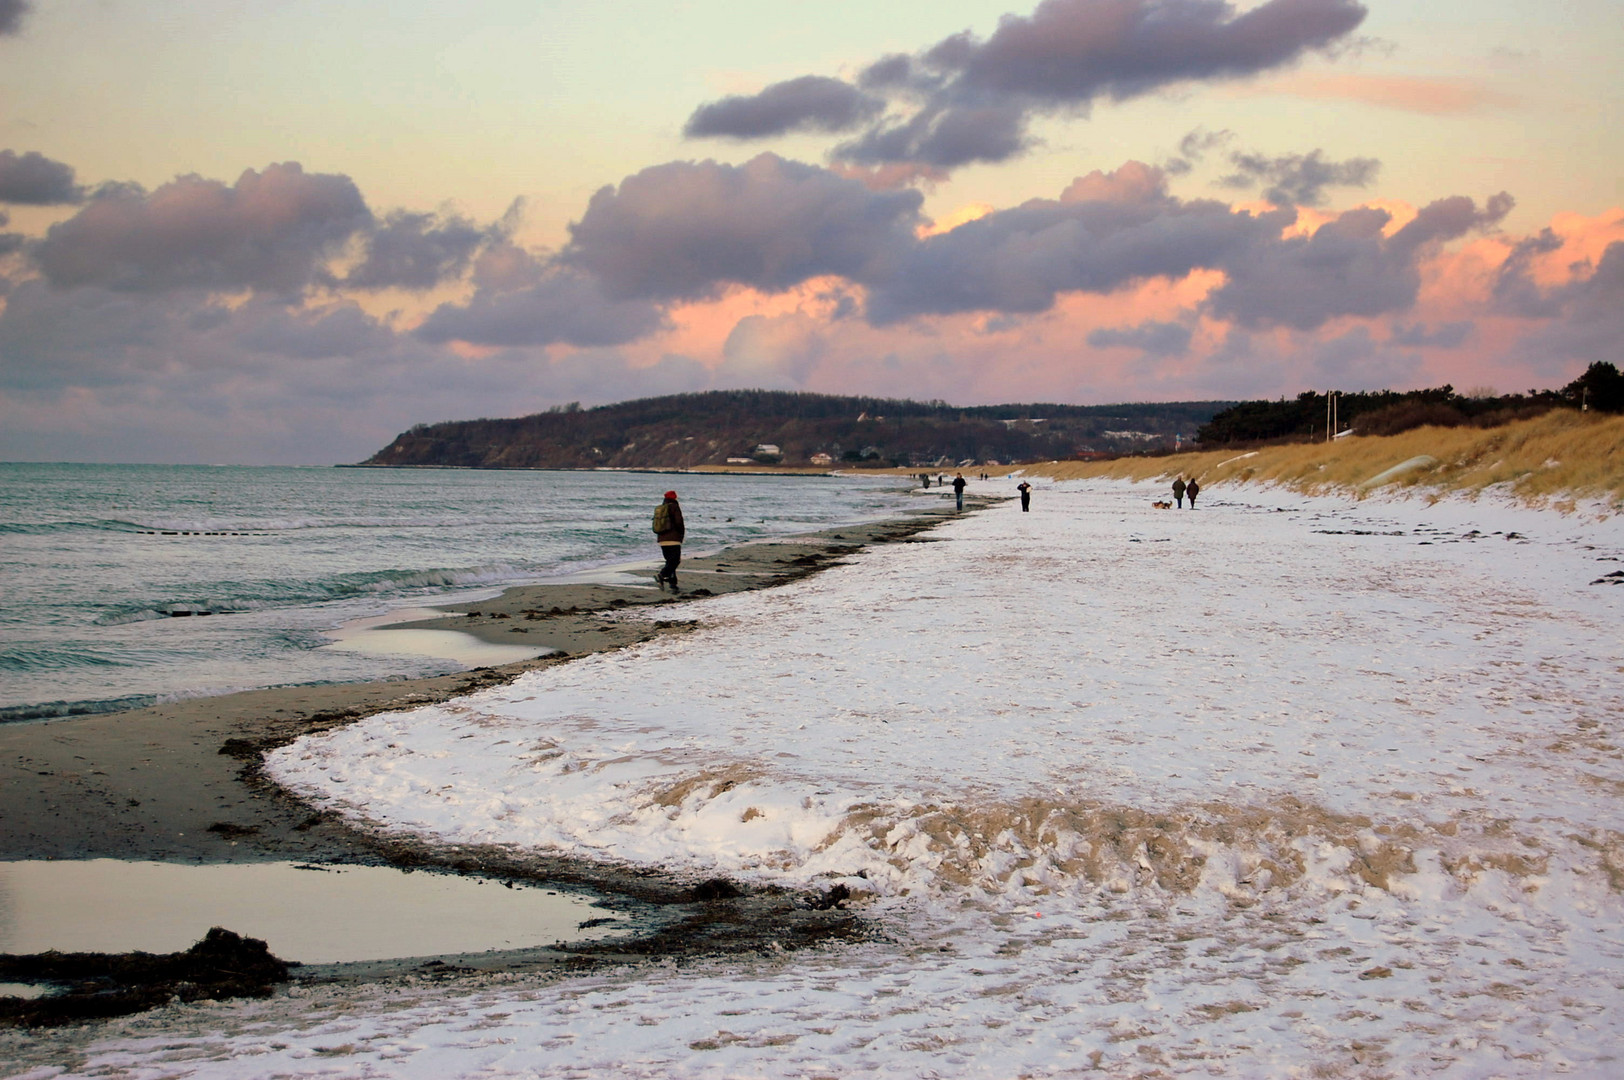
x=281, y=233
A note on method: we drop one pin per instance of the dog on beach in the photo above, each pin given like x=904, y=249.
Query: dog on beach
x=1162, y=505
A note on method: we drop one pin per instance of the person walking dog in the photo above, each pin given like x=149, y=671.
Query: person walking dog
x=1178, y=492
x=1192, y=490
x=669, y=531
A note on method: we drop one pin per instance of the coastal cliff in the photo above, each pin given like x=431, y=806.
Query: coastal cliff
x=777, y=427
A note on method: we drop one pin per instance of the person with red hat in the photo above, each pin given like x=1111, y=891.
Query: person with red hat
x=669, y=531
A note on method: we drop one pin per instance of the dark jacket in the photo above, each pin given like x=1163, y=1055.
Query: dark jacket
x=675, y=534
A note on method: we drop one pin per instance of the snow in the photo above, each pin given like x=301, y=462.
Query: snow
x=1281, y=786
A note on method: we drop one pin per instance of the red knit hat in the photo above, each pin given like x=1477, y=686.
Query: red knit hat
x=671, y=494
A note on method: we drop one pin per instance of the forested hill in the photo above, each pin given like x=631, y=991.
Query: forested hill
x=687, y=430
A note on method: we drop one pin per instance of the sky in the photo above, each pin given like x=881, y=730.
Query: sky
x=281, y=234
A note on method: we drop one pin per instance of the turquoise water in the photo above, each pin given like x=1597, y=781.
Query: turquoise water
x=123, y=585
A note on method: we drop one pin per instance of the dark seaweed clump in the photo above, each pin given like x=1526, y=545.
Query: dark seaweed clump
x=97, y=985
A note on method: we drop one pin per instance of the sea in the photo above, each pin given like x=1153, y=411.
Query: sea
x=123, y=586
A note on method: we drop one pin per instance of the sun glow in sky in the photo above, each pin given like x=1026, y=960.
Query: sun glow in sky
x=281, y=233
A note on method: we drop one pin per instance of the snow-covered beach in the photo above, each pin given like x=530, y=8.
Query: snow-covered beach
x=1279, y=786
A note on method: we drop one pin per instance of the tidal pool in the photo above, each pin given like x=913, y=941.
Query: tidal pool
x=375, y=636
x=315, y=914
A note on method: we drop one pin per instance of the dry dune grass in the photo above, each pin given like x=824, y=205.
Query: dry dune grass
x=1553, y=459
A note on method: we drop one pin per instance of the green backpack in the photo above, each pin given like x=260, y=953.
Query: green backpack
x=662, y=517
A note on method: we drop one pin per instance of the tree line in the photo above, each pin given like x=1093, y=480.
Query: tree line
x=1388, y=412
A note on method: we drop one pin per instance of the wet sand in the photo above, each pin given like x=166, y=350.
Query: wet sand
x=182, y=781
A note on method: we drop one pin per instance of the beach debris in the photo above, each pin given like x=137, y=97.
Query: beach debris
x=223, y=964
x=714, y=889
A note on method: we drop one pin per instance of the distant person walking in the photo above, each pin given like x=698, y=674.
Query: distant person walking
x=1026, y=496
x=669, y=531
x=958, y=489
x=1192, y=490
x=1178, y=492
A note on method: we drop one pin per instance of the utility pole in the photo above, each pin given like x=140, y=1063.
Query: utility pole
x=1331, y=413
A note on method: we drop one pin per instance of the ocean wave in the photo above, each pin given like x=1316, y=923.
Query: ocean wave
x=19, y=658
x=270, y=595
x=46, y=528
x=243, y=526
x=213, y=526
x=47, y=710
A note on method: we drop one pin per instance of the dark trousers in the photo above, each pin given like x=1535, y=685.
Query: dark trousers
x=673, y=556
x=1026, y=502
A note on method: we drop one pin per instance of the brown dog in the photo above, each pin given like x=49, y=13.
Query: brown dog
x=1162, y=505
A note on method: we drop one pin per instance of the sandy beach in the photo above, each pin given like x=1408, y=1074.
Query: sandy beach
x=1289, y=785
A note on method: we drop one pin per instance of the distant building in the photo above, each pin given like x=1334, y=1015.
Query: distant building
x=741, y=461
x=767, y=449
x=820, y=458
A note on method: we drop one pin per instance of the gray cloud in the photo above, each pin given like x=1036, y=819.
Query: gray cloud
x=1106, y=231
x=35, y=180
x=809, y=103
x=93, y=374
x=1153, y=338
x=1346, y=267
x=9, y=242
x=965, y=99
x=1193, y=147
x=943, y=137
x=1355, y=361
x=558, y=307
x=685, y=229
x=11, y=16
x=271, y=231
x=1198, y=143
x=417, y=251
x=1587, y=316
x=1515, y=292
x=1069, y=52
x=273, y=328
x=1298, y=179
x=1450, y=335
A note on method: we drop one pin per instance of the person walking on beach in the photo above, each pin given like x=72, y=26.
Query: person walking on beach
x=958, y=489
x=1192, y=489
x=669, y=531
x=1026, y=496
x=1178, y=491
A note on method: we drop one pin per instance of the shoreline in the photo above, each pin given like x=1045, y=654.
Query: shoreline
x=181, y=782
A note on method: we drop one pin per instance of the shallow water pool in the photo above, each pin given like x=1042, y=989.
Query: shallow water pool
x=314, y=914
